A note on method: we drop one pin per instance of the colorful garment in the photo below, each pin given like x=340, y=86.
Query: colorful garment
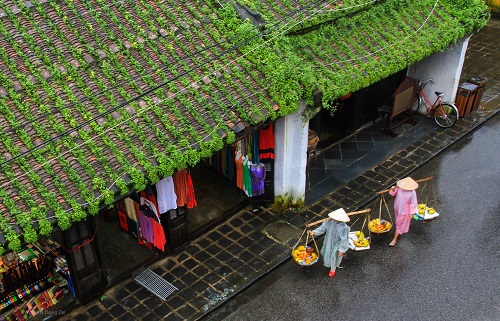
x=336, y=240
x=148, y=204
x=258, y=176
x=266, y=142
x=239, y=169
x=166, y=197
x=255, y=148
x=146, y=227
x=122, y=216
x=247, y=178
x=191, y=199
x=180, y=187
x=130, y=206
x=405, y=205
x=159, y=236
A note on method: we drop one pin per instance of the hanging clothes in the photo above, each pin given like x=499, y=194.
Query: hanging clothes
x=255, y=148
x=180, y=187
x=167, y=199
x=130, y=208
x=266, y=142
x=146, y=226
x=247, y=178
x=122, y=216
x=159, y=236
x=148, y=204
x=238, y=160
x=191, y=199
x=258, y=176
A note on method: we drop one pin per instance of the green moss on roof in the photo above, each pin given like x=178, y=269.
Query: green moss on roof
x=100, y=98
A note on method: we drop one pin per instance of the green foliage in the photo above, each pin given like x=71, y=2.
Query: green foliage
x=287, y=202
x=340, y=52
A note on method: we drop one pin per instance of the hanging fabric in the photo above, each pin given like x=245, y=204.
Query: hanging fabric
x=266, y=142
x=255, y=148
x=166, y=197
x=122, y=216
x=258, y=173
x=191, y=199
x=239, y=168
x=130, y=208
x=148, y=204
x=247, y=179
x=145, y=226
x=159, y=239
x=180, y=187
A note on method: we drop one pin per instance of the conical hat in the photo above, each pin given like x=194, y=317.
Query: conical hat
x=407, y=183
x=339, y=215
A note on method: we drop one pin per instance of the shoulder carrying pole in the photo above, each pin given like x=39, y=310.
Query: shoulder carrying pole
x=327, y=219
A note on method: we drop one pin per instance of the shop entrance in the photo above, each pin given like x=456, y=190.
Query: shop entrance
x=354, y=111
x=120, y=251
x=217, y=198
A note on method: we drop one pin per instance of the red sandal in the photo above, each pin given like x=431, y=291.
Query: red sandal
x=331, y=274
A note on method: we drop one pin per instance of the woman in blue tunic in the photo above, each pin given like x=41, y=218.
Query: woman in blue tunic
x=336, y=240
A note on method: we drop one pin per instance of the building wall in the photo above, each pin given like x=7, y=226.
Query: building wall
x=444, y=68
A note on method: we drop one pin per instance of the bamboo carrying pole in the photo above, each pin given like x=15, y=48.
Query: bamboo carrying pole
x=349, y=214
x=418, y=181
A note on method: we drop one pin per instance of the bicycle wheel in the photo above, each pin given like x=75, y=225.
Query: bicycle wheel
x=415, y=106
x=445, y=115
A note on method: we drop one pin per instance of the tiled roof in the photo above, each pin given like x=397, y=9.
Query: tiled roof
x=356, y=43
x=101, y=97
x=98, y=97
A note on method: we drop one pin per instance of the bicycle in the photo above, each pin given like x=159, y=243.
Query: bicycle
x=445, y=114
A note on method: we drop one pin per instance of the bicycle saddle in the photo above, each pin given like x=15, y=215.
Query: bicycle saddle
x=439, y=94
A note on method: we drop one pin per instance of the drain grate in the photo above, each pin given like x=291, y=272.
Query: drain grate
x=154, y=283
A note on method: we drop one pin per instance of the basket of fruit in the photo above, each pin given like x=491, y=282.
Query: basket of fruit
x=305, y=255
x=379, y=226
x=358, y=241
x=425, y=213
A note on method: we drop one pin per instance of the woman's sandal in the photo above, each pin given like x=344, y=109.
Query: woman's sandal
x=331, y=274
x=392, y=243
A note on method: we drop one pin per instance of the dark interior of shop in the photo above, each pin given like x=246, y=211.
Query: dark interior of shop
x=354, y=111
x=217, y=198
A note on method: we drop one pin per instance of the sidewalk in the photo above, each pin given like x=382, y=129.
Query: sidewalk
x=235, y=254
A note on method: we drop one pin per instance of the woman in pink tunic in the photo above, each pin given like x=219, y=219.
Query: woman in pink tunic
x=405, y=205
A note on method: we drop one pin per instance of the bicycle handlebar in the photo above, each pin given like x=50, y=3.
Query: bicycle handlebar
x=424, y=82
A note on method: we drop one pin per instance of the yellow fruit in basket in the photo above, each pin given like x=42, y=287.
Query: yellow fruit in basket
x=301, y=248
x=431, y=210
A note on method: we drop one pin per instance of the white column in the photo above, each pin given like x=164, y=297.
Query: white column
x=290, y=155
x=444, y=68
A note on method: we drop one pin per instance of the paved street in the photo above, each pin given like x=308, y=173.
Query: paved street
x=446, y=269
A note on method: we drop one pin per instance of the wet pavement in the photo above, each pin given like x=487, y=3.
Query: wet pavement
x=445, y=269
x=218, y=265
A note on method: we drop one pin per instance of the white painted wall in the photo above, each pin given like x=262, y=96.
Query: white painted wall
x=445, y=68
x=290, y=155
